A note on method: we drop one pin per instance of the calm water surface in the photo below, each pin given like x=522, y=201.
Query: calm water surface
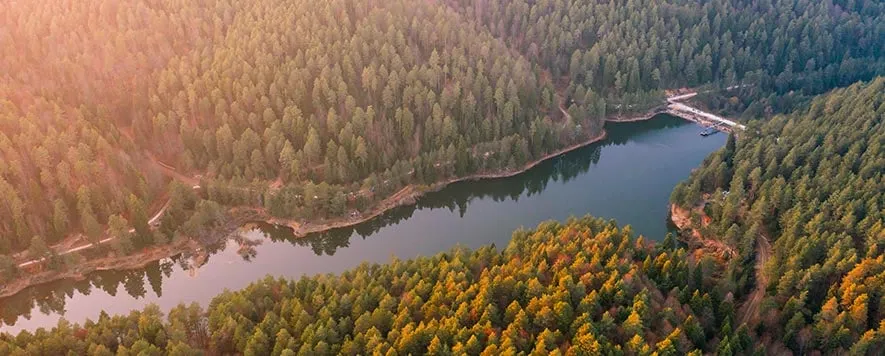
x=628, y=177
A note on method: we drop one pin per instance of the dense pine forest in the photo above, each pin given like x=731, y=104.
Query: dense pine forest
x=811, y=184
x=589, y=286
x=579, y=288
x=312, y=110
x=112, y=111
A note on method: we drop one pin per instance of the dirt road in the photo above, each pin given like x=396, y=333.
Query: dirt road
x=154, y=220
x=750, y=309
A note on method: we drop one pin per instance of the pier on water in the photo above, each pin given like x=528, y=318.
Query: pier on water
x=713, y=123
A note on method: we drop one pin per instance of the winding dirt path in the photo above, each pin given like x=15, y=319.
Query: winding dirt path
x=166, y=169
x=750, y=309
x=154, y=219
x=172, y=172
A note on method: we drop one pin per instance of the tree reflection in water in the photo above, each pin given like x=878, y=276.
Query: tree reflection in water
x=459, y=195
x=51, y=297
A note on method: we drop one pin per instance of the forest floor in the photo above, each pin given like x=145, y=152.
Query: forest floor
x=682, y=219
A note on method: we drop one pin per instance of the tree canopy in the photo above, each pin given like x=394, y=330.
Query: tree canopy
x=348, y=101
x=309, y=110
x=812, y=183
x=576, y=288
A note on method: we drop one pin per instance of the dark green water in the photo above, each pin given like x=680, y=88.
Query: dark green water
x=627, y=177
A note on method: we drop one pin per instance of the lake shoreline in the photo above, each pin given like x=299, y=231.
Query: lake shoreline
x=651, y=114
x=408, y=195
x=115, y=263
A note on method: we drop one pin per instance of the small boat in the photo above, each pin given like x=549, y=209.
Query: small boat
x=709, y=131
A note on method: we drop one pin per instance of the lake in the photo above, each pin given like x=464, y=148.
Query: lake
x=627, y=177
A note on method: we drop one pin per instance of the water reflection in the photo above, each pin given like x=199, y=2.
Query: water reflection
x=50, y=298
x=628, y=177
x=458, y=196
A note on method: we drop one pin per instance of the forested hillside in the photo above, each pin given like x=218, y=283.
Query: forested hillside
x=75, y=76
x=623, y=50
x=346, y=101
x=576, y=288
x=812, y=184
x=112, y=111
x=618, y=47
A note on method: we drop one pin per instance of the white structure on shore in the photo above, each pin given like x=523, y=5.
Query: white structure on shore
x=689, y=113
x=682, y=108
